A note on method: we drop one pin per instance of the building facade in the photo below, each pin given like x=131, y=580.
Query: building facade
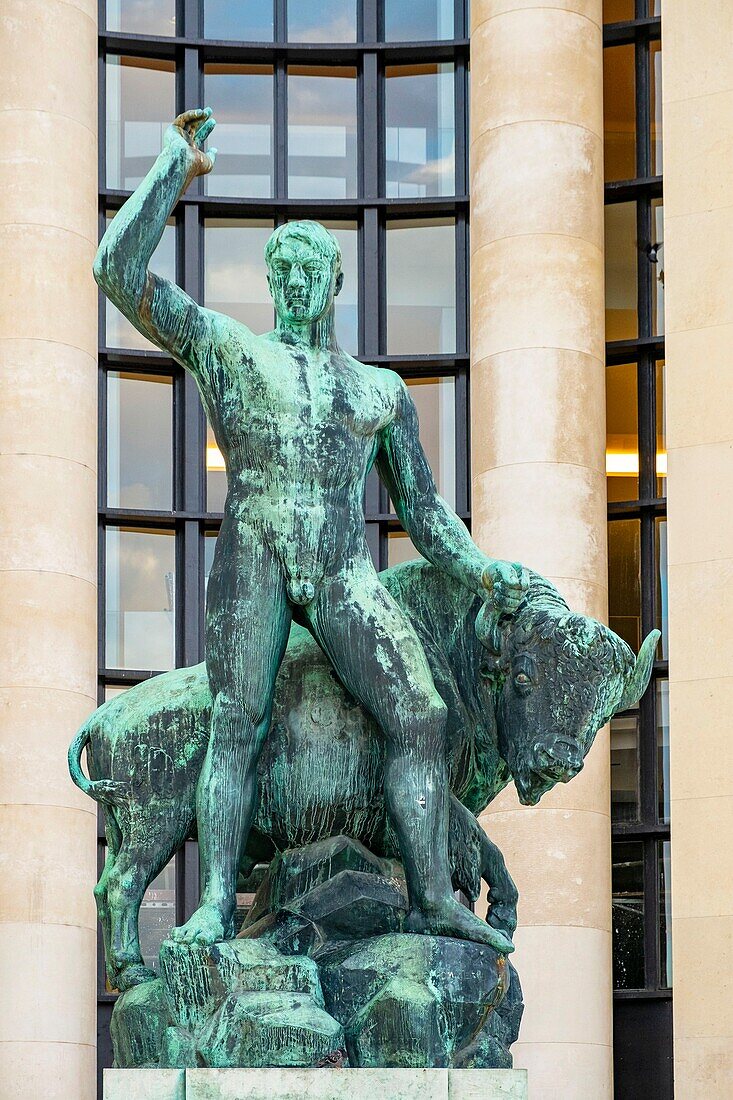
x=531, y=200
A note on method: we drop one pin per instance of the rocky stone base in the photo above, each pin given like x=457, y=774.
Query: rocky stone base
x=321, y=976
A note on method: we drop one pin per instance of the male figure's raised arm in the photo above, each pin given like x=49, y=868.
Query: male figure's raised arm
x=157, y=308
x=437, y=532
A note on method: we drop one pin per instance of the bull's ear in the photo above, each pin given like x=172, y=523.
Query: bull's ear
x=638, y=676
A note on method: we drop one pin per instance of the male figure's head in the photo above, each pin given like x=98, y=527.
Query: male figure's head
x=303, y=271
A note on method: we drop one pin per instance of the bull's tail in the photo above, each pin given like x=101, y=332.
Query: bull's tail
x=101, y=790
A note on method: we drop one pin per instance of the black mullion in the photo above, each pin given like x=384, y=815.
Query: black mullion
x=461, y=288
x=102, y=114
x=370, y=285
x=281, y=129
x=280, y=20
x=460, y=29
x=189, y=18
x=460, y=85
x=641, y=66
x=651, y=910
x=463, y=463
x=644, y=240
x=370, y=29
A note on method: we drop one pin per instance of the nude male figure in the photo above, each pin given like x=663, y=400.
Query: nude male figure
x=300, y=424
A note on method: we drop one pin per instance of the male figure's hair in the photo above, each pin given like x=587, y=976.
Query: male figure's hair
x=311, y=233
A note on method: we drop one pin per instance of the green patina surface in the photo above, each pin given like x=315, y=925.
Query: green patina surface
x=388, y=708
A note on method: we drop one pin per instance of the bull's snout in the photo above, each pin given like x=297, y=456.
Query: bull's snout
x=558, y=762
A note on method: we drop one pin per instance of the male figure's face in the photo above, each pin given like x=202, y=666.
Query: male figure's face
x=301, y=282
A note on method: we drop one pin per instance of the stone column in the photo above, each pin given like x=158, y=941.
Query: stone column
x=539, y=493
x=698, y=230
x=48, y=571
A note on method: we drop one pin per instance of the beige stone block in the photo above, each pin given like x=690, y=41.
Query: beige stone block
x=50, y=293
x=702, y=1009
x=530, y=292
x=47, y=178
x=698, y=270
x=700, y=480
x=308, y=1084
x=566, y=878
x=700, y=756
x=145, y=1084
x=700, y=617
x=699, y=397
x=536, y=178
x=703, y=1067
x=560, y=528
x=48, y=513
x=48, y=632
x=566, y=981
x=37, y=726
x=696, y=55
x=48, y=864
x=538, y=405
x=698, y=153
x=48, y=400
x=59, y=40
x=481, y=10
x=567, y=1071
x=702, y=871
x=487, y=1084
x=53, y=1071
x=537, y=65
x=49, y=984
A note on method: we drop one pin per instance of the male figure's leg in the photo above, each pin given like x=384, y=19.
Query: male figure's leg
x=378, y=656
x=247, y=626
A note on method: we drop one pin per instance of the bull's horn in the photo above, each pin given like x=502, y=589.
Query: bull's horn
x=487, y=628
x=638, y=678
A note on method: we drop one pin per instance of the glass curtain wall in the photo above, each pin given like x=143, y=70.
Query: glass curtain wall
x=636, y=467
x=351, y=112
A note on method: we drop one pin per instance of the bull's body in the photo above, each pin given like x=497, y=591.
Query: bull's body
x=321, y=770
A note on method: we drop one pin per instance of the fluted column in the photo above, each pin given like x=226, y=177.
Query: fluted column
x=48, y=418
x=698, y=236
x=539, y=493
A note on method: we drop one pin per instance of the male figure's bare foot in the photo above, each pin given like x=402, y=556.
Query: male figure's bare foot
x=450, y=918
x=206, y=926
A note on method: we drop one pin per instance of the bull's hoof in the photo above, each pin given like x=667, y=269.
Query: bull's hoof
x=135, y=974
x=450, y=918
x=206, y=926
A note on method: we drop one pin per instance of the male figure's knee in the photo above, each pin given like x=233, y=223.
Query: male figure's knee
x=234, y=708
x=424, y=724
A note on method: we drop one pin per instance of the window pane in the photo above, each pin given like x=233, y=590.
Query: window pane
x=326, y=21
x=662, y=706
x=661, y=434
x=240, y=20
x=622, y=433
x=235, y=280
x=420, y=138
x=119, y=332
x=142, y=16
x=321, y=133
x=140, y=105
x=658, y=268
x=655, y=94
x=618, y=11
x=622, y=313
x=216, y=478
x=157, y=914
x=624, y=580
x=347, y=302
x=209, y=548
x=139, y=440
x=113, y=690
x=625, y=768
x=140, y=595
x=421, y=287
x=418, y=20
x=619, y=113
x=628, y=915
x=665, y=913
x=241, y=99
x=662, y=600
x=400, y=548
x=435, y=400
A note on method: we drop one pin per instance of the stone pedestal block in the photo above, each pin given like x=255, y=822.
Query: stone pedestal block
x=315, y=1084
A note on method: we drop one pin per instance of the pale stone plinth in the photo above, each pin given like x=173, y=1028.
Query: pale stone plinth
x=315, y=1084
x=144, y=1084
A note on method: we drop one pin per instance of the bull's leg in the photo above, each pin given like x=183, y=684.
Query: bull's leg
x=503, y=895
x=100, y=893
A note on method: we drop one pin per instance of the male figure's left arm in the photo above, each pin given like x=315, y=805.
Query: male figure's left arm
x=435, y=529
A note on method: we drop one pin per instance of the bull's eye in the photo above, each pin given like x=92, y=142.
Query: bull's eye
x=522, y=682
